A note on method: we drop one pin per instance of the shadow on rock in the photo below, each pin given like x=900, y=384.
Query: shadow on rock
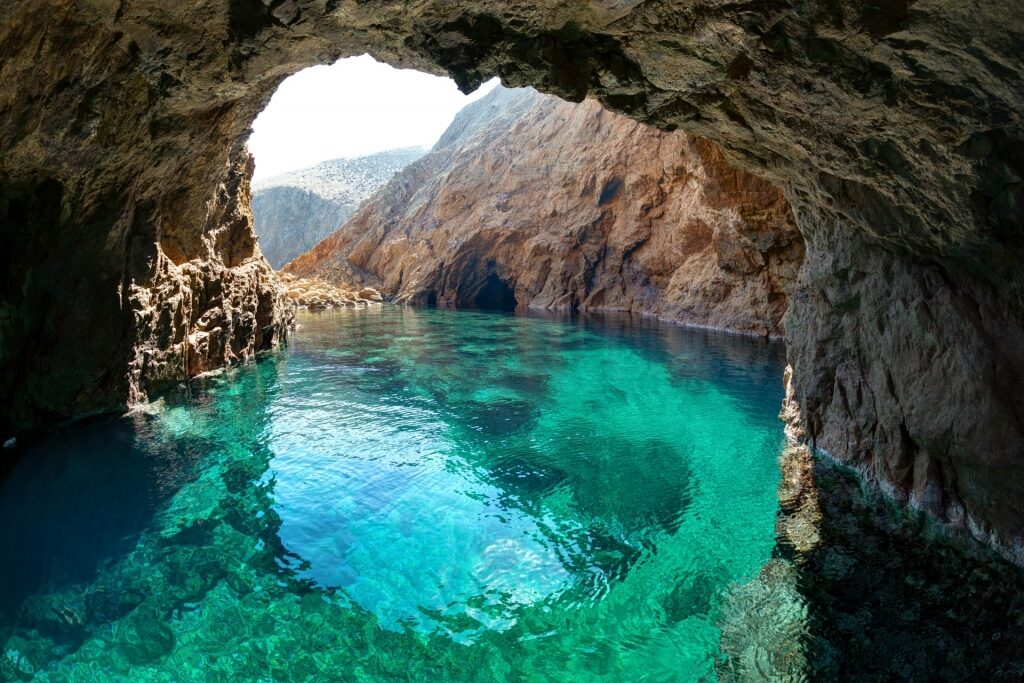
x=864, y=590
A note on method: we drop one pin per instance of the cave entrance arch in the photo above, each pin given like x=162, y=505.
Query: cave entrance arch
x=902, y=162
x=509, y=211
x=495, y=295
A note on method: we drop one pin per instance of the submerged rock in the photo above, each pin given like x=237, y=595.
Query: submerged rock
x=18, y=659
x=763, y=625
x=144, y=637
x=883, y=591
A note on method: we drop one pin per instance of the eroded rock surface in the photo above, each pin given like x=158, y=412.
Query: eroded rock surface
x=529, y=201
x=895, y=129
x=200, y=314
x=316, y=295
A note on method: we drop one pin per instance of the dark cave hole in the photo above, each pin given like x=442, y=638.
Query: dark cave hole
x=495, y=295
x=610, y=190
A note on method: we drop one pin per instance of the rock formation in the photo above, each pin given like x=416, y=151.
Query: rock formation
x=530, y=201
x=894, y=128
x=316, y=295
x=293, y=211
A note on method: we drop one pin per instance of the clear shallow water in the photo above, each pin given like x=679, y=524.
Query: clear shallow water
x=406, y=494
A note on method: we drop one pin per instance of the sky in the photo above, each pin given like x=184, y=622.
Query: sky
x=354, y=107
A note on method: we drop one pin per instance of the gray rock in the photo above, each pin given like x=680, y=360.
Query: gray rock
x=294, y=211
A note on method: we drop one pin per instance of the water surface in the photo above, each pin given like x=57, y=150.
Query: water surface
x=406, y=494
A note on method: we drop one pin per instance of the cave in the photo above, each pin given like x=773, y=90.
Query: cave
x=495, y=295
x=895, y=134
x=894, y=129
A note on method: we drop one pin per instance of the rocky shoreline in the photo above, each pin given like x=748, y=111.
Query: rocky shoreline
x=317, y=295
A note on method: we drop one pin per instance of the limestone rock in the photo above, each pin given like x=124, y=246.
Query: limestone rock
x=317, y=295
x=197, y=315
x=568, y=206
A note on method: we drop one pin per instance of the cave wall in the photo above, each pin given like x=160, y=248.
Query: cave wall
x=912, y=373
x=894, y=127
x=128, y=258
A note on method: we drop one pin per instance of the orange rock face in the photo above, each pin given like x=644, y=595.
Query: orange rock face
x=529, y=201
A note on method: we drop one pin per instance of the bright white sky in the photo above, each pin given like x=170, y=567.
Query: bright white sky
x=354, y=107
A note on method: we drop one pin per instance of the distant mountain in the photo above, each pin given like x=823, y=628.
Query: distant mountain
x=293, y=211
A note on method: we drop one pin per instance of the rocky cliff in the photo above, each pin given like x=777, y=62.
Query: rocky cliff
x=293, y=211
x=895, y=129
x=530, y=201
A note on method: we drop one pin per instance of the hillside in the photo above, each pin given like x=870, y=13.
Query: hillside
x=293, y=211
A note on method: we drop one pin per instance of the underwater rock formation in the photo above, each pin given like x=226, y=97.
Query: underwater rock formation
x=528, y=201
x=894, y=128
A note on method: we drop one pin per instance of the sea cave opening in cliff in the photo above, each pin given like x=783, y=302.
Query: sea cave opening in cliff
x=330, y=138
x=495, y=295
x=390, y=183
x=385, y=490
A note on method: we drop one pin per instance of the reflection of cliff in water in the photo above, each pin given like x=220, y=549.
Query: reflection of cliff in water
x=693, y=353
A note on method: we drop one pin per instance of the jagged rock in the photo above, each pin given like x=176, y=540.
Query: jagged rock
x=293, y=211
x=317, y=295
x=192, y=316
x=568, y=206
x=895, y=129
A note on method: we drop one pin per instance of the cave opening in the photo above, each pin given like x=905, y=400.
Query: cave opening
x=499, y=176
x=902, y=212
x=330, y=137
x=495, y=295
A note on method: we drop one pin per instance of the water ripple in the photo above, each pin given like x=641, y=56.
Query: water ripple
x=429, y=495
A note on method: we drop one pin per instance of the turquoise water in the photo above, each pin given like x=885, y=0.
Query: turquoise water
x=406, y=494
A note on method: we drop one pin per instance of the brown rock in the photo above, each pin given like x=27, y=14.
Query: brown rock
x=198, y=315
x=535, y=202
x=370, y=294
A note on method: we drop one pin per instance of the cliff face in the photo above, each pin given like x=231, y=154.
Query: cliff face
x=531, y=201
x=289, y=220
x=192, y=316
x=894, y=128
x=294, y=211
